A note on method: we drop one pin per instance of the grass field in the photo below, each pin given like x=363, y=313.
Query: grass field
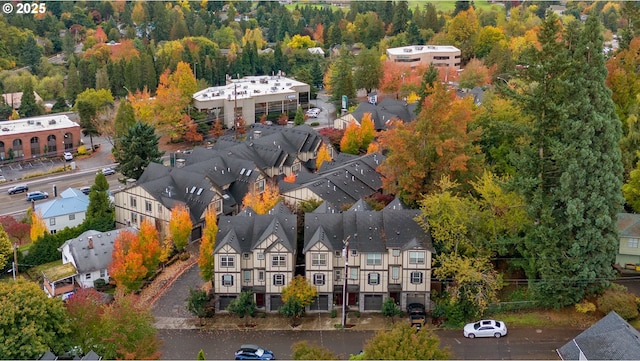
x=441, y=5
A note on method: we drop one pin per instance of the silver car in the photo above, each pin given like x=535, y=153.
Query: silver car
x=485, y=328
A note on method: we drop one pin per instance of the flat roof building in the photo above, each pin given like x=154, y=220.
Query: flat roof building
x=47, y=135
x=443, y=56
x=251, y=97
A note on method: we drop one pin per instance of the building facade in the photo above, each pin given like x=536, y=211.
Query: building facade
x=49, y=135
x=251, y=97
x=441, y=56
x=67, y=211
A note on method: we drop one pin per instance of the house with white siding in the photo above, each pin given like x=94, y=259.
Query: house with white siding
x=67, y=211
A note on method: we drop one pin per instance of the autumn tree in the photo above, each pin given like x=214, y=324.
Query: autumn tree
x=261, y=203
x=438, y=143
x=38, y=227
x=85, y=311
x=402, y=342
x=127, y=268
x=128, y=331
x=180, y=226
x=6, y=248
x=302, y=350
x=350, y=142
x=31, y=322
x=93, y=106
x=323, y=156
x=18, y=232
x=297, y=295
x=474, y=74
x=216, y=129
x=148, y=245
x=207, y=245
x=462, y=32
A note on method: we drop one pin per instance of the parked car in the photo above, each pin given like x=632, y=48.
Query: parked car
x=18, y=189
x=108, y=171
x=85, y=190
x=37, y=195
x=417, y=314
x=68, y=156
x=253, y=352
x=313, y=112
x=485, y=328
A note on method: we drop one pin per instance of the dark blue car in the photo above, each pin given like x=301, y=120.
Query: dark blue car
x=253, y=352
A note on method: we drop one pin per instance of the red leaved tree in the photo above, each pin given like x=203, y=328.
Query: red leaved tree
x=18, y=232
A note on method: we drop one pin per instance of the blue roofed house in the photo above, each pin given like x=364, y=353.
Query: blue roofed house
x=611, y=338
x=67, y=211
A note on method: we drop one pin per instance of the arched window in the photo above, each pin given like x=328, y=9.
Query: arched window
x=52, y=147
x=35, y=146
x=3, y=154
x=17, y=149
x=68, y=141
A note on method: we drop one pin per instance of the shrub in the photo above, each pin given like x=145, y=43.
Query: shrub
x=357, y=313
x=585, y=307
x=99, y=284
x=390, y=309
x=620, y=300
x=82, y=150
x=334, y=313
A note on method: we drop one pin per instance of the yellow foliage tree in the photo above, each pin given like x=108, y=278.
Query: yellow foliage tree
x=301, y=42
x=323, y=156
x=207, y=244
x=180, y=226
x=301, y=290
x=261, y=203
x=38, y=227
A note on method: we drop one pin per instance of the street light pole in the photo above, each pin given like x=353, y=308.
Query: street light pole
x=345, y=254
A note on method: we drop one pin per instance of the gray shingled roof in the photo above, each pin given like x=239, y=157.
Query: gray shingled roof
x=628, y=225
x=370, y=231
x=96, y=257
x=247, y=229
x=611, y=338
x=384, y=111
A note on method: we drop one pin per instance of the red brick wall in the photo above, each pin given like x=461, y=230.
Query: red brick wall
x=54, y=147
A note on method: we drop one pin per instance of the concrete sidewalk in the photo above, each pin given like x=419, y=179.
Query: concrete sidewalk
x=310, y=322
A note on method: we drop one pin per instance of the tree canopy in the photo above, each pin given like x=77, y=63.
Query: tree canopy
x=137, y=149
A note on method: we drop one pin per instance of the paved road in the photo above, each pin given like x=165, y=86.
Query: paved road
x=520, y=344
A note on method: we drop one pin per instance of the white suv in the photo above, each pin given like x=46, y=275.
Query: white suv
x=68, y=156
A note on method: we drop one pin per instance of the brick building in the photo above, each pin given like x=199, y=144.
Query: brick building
x=48, y=135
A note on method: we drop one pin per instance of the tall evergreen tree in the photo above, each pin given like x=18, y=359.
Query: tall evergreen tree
x=571, y=172
x=28, y=106
x=73, y=83
x=401, y=16
x=100, y=212
x=125, y=118
x=137, y=149
x=31, y=53
x=341, y=81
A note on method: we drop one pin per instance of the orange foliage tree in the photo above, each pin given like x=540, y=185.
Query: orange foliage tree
x=261, y=203
x=323, y=156
x=437, y=144
x=126, y=267
x=180, y=226
x=216, y=130
x=318, y=33
x=291, y=178
x=148, y=245
x=207, y=244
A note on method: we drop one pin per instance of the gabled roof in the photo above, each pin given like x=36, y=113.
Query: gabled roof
x=73, y=201
x=369, y=231
x=360, y=205
x=628, y=224
x=385, y=111
x=343, y=184
x=92, y=250
x=611, y=338
x=280, y=208
x=246, y=230
x=326, y=207
x=396, y=204
x=92, y=356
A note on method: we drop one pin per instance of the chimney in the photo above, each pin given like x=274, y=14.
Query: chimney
x=90, y=246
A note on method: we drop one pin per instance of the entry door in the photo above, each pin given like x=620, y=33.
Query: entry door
x=260, y=300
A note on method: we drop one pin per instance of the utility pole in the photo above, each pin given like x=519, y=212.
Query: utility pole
x=345, y=254
x=15, y=261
